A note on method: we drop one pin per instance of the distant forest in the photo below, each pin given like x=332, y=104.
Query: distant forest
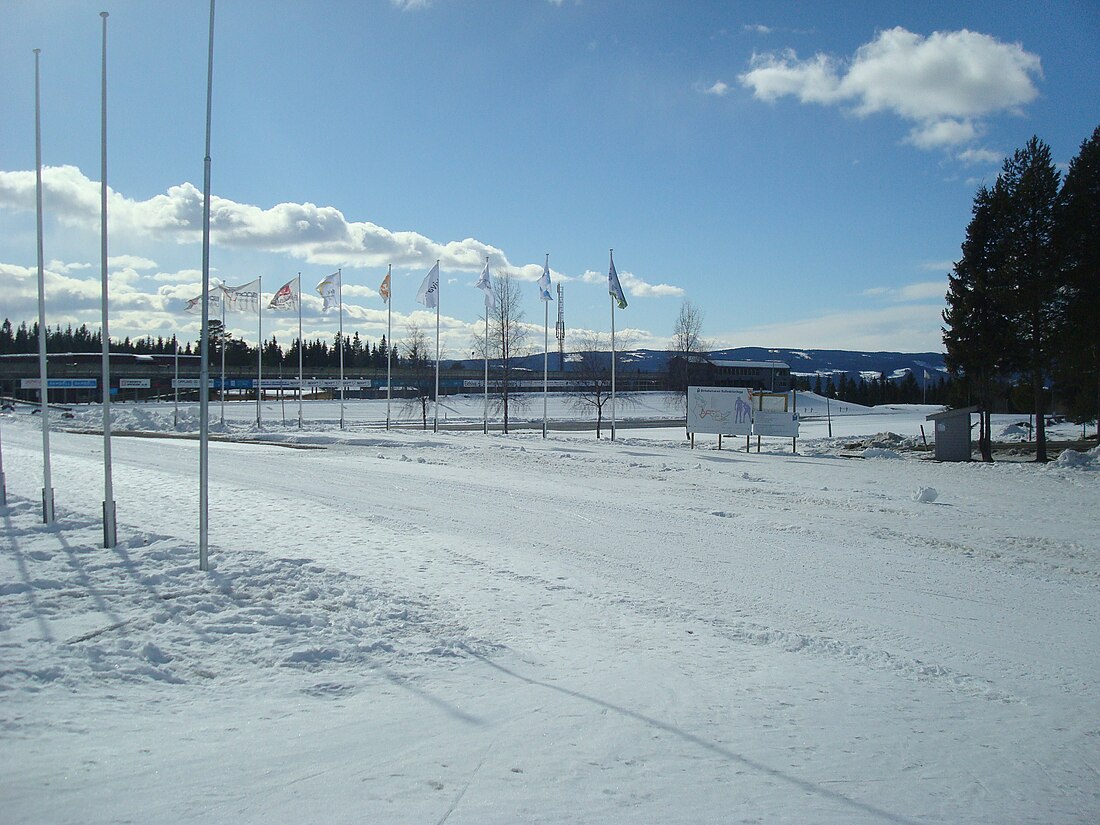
x=359, y=353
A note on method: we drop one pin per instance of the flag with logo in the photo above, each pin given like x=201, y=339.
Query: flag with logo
x=214, y=302
x=384, y=289
x=245, y=298
x=429, y=289
x=485, y=284
x=329, y=290
x=544, y=284
x=287, y=297
x=614, y=288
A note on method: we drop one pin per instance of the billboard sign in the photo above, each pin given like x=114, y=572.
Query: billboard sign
x=719, y=410
x=133, y=383
x=60, y=383
x=782, y=424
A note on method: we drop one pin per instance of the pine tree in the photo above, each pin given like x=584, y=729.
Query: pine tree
x=1078, y=241
x=1033, y=271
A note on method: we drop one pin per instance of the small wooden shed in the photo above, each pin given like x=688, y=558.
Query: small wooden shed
x=952, y=437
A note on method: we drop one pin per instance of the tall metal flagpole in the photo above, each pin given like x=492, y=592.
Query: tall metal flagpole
x=612, y=358
x=485, y=386
x=3, y=481
x=110, y=532
x=389, y=344
x=44, y=391
x=545, y=348
x=300, y=387
x=438, y=291
x=340, y=297
x=221, y=393
x=204, y=370
x=176, y=387
x=259, y=349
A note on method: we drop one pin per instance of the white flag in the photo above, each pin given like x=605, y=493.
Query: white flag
x=485, y=284
x=544, y=284
x=194, y=305
x=287, y=296
x=244, y=298
x=429, y=290
x=329, y=290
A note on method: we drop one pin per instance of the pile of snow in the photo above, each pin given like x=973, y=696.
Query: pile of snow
x=1014, y=432
x=880, y=452
x=1089, y=460
x=926, y=494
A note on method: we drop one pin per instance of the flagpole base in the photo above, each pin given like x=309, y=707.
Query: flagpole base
x=110, y=532
x=47, y=505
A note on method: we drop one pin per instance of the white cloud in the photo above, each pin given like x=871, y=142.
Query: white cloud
x=896, y=328
x=922, y=291
x=634, y=285
x=943, y=83
x=757, y=28
x=411, y=5
x=719, y=89
x=976, y=157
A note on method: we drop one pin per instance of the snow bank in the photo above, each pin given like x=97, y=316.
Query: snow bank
x=1089, y=460
x=142, y=612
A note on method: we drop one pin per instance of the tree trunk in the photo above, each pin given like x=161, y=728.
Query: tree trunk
x=1040, y=417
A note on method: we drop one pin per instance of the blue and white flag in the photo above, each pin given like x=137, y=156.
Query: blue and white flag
x=544, y=284
x=485, y=284
x=429, y=289
x=614, y=288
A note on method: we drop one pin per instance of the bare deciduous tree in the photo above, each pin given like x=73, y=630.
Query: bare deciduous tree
x=507, y=341
x=418, y=365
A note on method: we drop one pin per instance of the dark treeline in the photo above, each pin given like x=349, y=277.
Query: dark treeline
x=882, y=390
x=1022, y=300
x=359, y=353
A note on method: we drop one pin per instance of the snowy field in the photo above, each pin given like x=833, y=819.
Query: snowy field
x=408, y=627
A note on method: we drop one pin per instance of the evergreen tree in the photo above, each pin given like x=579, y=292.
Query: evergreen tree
x=1032, y=269
x=1078, y=241
x=976, y=334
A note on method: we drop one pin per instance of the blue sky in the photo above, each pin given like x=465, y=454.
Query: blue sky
x=801, y=171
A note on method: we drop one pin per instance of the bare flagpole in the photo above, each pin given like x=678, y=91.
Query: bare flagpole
x=110, y=533
x=389, y=344
x=44, y=391
x=340, y=298
x=545, y=348
x=221, y=393
x=435, y=426
x=259, y=349
x=485, y=386
x=613, y=357
x=204, y=373
x=300, y=387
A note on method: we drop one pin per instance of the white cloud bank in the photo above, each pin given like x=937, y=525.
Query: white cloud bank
x=944, y=84
x=316, y=234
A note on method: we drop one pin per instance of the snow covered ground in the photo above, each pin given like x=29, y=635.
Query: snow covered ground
x=407, y=627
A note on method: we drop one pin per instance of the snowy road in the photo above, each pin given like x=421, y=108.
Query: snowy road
x=630, y=633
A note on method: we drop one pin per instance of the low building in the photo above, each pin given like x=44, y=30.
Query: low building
x=767, y=376
x=953, y=441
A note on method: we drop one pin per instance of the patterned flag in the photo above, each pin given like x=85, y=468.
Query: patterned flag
x=429, y=289
x=194, y=305
x=544, y=284
x=485, y=284
x=245, y=298
x=287, y=296
x=329, y=290
x=614, y=288
x=384, y=289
